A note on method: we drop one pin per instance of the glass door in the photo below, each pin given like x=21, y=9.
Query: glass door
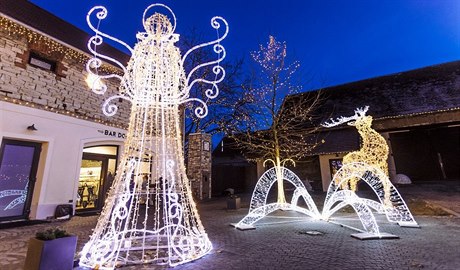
x=18, y=169
x=97, y=173
x=90, y=183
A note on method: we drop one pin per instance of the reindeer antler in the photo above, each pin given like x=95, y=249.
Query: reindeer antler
x=359, y=112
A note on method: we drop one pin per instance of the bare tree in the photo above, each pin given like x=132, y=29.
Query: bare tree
x=222, y=108
x=268, y=125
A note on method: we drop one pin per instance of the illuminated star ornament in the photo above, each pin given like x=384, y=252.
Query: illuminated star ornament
x=149, y=215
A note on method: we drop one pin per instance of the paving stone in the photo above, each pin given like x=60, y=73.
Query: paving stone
x=277, y=244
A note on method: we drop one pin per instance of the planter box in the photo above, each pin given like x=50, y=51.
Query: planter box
x=233, y=203
x=54, y=254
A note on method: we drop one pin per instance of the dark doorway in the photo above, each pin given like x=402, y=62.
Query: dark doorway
x=237, y=178
x=205, y=186
x=18, y=170
x=428, y=154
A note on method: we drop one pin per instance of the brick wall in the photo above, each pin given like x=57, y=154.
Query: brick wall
x=62, y=90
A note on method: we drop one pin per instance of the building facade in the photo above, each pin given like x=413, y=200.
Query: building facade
x=417, y=112
x=57, y=147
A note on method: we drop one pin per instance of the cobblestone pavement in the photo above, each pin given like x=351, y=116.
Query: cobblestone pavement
x=280, y=242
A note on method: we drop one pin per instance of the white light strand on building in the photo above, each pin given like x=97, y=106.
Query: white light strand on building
x=149, y=215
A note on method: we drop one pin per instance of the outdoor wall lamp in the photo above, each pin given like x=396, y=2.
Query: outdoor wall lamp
x=32, y=127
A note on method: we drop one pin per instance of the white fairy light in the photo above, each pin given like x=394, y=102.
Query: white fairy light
x=342, y=198
x=149, y=215
x=396, y=212
x=368, y=164
x=259, y=208
x=364, y=165
x=94, y=82
x=374, y=149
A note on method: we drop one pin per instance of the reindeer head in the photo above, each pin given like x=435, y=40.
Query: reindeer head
x=359, y=119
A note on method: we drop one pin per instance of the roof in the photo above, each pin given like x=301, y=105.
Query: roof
x=41, y=20
x=337, y=141
x=227, y=152
x=425, y=90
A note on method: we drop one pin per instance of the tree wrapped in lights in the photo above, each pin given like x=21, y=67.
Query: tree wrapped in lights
x=149, y=215
x=266, y=126
x=271, y=128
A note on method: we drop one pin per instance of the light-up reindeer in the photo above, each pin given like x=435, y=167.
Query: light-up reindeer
x=374, y=149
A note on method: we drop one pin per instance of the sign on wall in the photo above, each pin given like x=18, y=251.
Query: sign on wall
x=112, y=133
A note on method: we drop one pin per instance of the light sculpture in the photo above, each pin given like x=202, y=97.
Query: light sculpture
x=342, y=198
x=374, y=149
x=149, y=214
x=398, y=212
x=369, y=164
x=259, y=208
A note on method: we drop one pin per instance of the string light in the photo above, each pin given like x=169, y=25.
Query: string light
x=342, y=198
x=48, y=44
x=374, y=149
x=259, y=208
x=149, y=215
x=368, y=164
x=281, y=134
x=51, y=47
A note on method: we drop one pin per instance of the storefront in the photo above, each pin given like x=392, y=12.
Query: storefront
x=98, y=167
x=49, y=159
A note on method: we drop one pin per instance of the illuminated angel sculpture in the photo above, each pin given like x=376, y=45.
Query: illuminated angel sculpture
x=368, y=164
x=149, y=215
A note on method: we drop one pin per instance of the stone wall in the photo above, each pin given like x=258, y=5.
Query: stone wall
x=63, y=90
x=199, y=164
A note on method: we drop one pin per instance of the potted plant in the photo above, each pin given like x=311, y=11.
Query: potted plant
x=51, y=249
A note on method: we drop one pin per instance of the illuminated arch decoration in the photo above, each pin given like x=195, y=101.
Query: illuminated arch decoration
x=339, y=199
x=149, y=215
x=398, y=212
x=259, y=208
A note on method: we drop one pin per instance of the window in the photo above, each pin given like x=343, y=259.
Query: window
x=41, y=62
x=334, y=166
x=206, y=146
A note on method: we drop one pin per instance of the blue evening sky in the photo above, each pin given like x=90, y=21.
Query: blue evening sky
x=336, y=41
